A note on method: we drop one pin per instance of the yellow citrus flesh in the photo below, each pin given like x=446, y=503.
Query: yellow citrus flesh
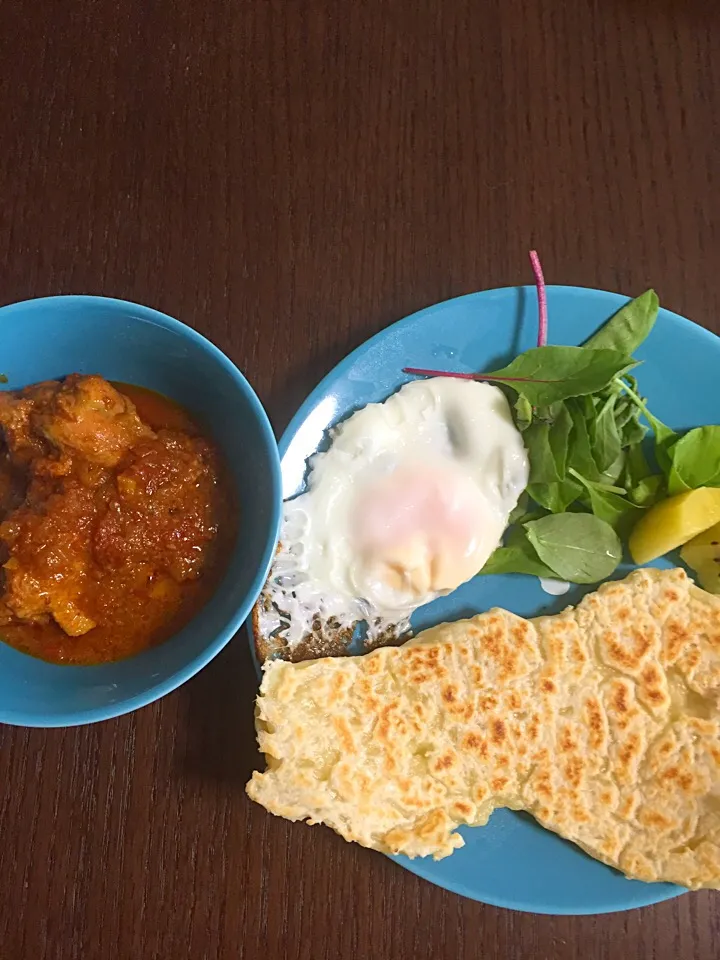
x=672, y=522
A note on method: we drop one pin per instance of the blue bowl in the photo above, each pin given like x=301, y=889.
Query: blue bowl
x=51, y=337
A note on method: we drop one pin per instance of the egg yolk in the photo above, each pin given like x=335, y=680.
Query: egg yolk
x=421, y=531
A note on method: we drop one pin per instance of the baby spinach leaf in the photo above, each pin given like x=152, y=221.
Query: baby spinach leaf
x=614, y=471
x=604, y=436
x=695, y=460
x=546, y=440
x=643, y=487
x=588, y=407
x=580, y=455
x=517, y=556
x=525, y=511
x=548, y=449
x=627, y=418
x=560, y=439
x=675, y=483
x=629, y=381
x=627, y=329
x=523, y=413
x=648, y=491
x=619, y=512
x=665, y=437
x=519, y=510
x=613, y=389
x=555, y=497
x=545, y=375
x=578, y=547
x=543, y=467
x=632, y=433
x=548, y=412
x=624, y=411
x=665, y=440
x=613, y=401
x=610, y=506
x=636, y=466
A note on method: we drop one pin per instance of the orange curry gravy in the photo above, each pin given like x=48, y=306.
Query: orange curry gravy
x=117, y=519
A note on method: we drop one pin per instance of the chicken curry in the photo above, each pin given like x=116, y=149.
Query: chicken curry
x=116, y=519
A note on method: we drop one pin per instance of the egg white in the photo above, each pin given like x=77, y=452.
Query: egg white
x=408, y=502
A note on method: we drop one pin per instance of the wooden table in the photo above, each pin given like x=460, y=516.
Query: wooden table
x=289, y=176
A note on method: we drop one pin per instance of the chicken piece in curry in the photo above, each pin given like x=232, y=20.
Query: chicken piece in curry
x=116, y=519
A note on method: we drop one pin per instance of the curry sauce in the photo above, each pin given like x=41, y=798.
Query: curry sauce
x=117, y=519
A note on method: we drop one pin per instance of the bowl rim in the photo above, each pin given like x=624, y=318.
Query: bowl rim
x=158, y=690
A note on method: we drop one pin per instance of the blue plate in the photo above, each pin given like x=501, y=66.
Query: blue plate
x=512, y=862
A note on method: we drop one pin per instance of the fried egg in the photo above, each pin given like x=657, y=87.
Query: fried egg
x=407, y=503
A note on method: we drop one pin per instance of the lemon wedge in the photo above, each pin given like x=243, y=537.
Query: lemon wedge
x=672, y=522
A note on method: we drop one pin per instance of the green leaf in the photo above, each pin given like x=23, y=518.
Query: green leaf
x=545, y=375
x=625, y=411
x=675, y=483
x=578, y=547
x=555, y=497
x=643, y=486
x=546, y=440
x=588, y=407
x=523, y=413
x=632, y=433
x=548, y=414
x=665, y=438
x=580, y=455
x=525, y=511
x=604, y=436
x=615, y=509
x=560, y=439
x=636, y=467
x=548, y=453
x=519, y=510
x=614, y=471
x=647, y=491
x=695, y=460
x=613, y=389
x=627, y=329
x=627, y=418
x=543, y=467
x=518, y=556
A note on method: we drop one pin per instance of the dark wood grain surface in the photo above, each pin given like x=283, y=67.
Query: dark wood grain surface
x=289, y=176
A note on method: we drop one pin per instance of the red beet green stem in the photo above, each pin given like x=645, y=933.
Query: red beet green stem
x=418, y=372
x=541, y=340
x=542, y=299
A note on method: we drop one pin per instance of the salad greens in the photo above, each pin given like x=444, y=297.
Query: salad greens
x=629, y=327
x=581, y=415
x=518, y=555
x=546, y=375
x=579, y=547
x=665, y=437
x=695, y=460
x=611, y=504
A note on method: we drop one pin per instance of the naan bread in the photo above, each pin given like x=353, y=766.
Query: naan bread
x=602, y=722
